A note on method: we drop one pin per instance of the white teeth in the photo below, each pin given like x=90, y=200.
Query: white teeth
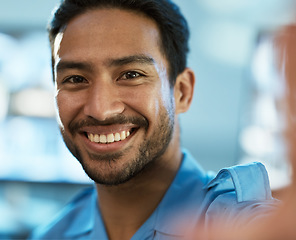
x=91, y=137
x=103, y=138
x=117, y=137
x=96, y=138
x=109, y=138
x=122, y=135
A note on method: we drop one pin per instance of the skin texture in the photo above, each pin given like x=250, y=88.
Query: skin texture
x=111, y=76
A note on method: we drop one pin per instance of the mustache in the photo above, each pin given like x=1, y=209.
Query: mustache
x=118, y=119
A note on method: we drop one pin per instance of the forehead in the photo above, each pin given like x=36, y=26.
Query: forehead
x=103, y=33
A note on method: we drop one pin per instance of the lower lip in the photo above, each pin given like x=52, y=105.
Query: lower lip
x=107, y=147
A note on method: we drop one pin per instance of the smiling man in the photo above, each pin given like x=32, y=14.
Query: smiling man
x=121, y=79
x=114, y=96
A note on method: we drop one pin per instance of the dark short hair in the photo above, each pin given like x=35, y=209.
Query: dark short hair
x=172, y=25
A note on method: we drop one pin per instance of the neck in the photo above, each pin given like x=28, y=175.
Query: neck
x=127, y=206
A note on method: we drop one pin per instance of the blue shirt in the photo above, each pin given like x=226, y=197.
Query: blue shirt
x=193, y=196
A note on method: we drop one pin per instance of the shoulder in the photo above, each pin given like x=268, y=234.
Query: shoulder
x=241, y=190
x=249, y=181
x=64, y=221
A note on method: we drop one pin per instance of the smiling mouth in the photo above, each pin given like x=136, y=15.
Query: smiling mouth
x=109, y=138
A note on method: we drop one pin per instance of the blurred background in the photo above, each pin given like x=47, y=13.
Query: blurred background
x=234, y=117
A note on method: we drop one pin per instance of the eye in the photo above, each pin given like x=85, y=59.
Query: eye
x=131, y=75
x=75, y=79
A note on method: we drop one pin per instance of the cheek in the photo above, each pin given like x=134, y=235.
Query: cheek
x=151, y=103
x=61, y=114
x=67, y=108
x=144, y=100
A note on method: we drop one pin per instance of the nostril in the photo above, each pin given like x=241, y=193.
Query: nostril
x=102, y=107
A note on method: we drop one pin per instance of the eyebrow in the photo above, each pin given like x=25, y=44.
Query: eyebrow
x=141, y=59
x=63, y=65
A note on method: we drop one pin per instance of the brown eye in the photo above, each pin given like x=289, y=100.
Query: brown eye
x=75, y=79
x=131, y=75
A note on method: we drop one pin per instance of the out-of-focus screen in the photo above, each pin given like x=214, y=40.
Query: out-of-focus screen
x=31, y=148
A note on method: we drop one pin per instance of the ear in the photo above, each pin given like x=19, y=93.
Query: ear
x=183, y=90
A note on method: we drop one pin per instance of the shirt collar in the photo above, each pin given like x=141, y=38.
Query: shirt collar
x=181, y=202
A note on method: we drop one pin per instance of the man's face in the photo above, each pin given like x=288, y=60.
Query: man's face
x=115, y=105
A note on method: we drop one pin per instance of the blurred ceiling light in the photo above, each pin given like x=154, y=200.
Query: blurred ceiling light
x=257, y=141
x=33, y=102
x=265, y=71
x=279, y=176
x=265, y=113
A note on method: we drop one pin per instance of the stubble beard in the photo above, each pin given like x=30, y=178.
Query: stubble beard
x=149, y=152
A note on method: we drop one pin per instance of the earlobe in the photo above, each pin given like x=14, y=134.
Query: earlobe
x=183, y=90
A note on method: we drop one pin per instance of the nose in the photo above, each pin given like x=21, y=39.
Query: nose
x=103, y=101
